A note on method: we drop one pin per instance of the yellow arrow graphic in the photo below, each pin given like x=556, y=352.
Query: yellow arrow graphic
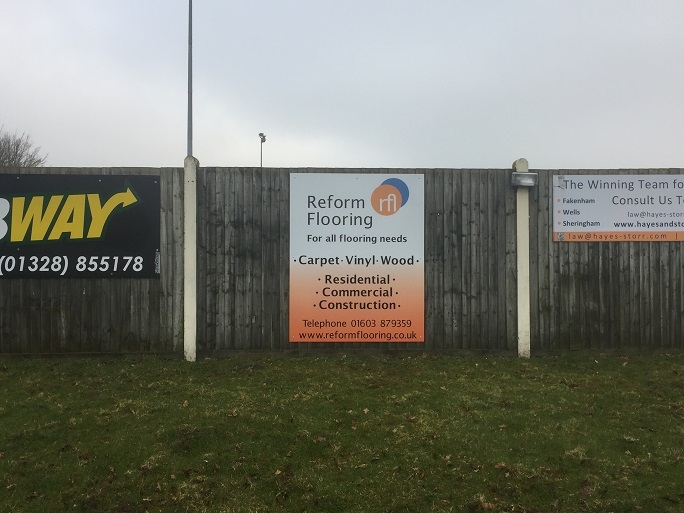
x=100, y=213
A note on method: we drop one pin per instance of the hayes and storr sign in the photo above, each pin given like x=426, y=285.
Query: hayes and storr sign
x=630, y=208
x=79, y=226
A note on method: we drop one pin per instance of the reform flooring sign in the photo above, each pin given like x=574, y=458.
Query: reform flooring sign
x=356, y=258
x=79, y=226
x=601, y=208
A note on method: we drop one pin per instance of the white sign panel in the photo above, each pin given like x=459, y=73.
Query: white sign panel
x=356, y=257
x=600, y=208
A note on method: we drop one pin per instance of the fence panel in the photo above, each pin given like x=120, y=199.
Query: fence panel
x=243, y=277
x=603, y=295
x=101, y=315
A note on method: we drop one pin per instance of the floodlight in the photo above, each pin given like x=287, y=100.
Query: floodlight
x=524, y=179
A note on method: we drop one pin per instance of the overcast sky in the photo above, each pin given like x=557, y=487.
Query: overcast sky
x=348, y=83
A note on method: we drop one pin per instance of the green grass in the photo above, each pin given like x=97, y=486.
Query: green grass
x=343, y=434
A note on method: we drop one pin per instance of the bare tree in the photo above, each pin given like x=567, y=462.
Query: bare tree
x=18, y=151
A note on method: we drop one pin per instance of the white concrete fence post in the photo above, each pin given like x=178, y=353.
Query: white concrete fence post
x=522, y=200
x=190, y=258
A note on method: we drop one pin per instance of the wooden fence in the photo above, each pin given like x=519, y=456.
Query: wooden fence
x=590, y=295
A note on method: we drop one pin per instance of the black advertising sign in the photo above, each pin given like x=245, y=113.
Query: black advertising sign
x=79, y=226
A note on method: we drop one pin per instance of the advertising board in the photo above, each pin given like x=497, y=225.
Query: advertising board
x=630, y=208
x=79, y=226
x=356, y=258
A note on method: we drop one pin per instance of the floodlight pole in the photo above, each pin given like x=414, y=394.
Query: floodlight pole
x=190, y=167
x=262, y=136
x=189, y=78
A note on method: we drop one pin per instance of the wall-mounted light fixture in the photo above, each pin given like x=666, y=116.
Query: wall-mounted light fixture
x=524, y=179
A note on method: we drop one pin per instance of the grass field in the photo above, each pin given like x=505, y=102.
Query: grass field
x=343, y=433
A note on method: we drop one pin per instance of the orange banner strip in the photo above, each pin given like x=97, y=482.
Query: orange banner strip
x=618, y=236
